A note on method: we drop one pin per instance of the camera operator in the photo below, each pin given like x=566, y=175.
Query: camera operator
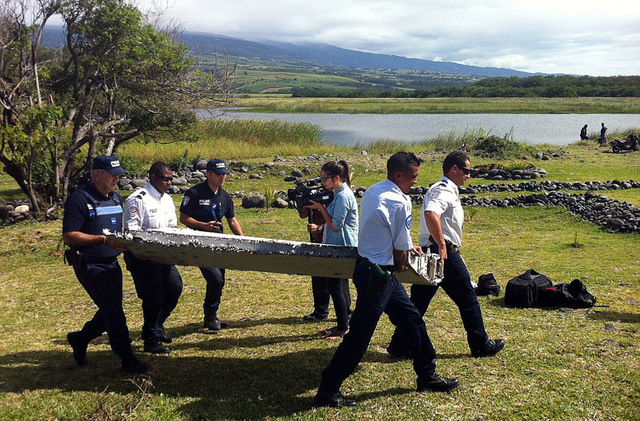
x=340, y=228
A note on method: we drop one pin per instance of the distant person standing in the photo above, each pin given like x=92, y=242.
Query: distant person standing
x=88, y=213
x=603, y=135
x=158, y=285
x=583, y=133
x=203, y=207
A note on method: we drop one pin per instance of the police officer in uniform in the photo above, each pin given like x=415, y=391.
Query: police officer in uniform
x=383, y=243
x=441, y=224
x=158, y=285
x=88, y=212
x=203, y=207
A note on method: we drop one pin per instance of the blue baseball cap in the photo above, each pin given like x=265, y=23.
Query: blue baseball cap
x=110, y=164
x=217, y=166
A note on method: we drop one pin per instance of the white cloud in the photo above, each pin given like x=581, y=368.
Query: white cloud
x=549, y=36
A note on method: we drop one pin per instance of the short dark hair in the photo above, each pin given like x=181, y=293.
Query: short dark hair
x=157, y=168
x=402, y=161
x=457, y=158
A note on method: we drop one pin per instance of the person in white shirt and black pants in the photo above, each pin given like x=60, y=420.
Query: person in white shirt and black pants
x=441, y=222
x=159, y=286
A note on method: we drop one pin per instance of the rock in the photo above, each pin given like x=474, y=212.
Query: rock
x=255, y=177
x=296, y=172
x=22, y=209
x=138, y=182
x=179, y=181
x=280, y=203
x=200, y=165
x=254, y=200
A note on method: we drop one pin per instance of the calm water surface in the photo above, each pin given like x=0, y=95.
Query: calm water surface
x=349, y=129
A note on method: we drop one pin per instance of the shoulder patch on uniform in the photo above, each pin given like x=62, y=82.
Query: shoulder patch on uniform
x=407, y=222
x=133, y=211
x=185, y=200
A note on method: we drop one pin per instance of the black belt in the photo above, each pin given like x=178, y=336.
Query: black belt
x=448, y=244
x=100, y=259
x=389, y=268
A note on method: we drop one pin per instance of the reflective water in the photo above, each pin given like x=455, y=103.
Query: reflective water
x=348, y=129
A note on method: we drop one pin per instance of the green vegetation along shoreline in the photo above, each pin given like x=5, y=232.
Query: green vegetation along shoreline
x=583, y=105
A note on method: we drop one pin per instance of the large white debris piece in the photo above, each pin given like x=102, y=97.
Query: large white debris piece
x=188, y=247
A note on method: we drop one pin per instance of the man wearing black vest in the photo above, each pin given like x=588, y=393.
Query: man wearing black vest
x=88, y=213
x=203, y=207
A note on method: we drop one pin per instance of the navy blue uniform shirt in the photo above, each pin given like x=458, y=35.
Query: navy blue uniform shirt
x=89, y=211
x=203, y=205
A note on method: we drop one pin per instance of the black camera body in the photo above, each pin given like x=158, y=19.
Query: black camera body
x=308, y=190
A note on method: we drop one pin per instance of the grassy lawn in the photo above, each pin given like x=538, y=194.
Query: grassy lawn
x=559, y=364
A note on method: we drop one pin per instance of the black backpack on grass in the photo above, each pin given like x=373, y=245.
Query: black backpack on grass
x=573, y=295
x=524, y=290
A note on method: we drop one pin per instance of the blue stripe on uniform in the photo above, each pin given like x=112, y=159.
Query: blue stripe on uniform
x=108, y=210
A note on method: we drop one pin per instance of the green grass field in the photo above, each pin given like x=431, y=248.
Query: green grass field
x=442, y=105
x=559, y=364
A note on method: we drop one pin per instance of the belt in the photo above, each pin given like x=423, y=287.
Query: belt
x=389, y=268
x=101, y=259
x=449, y=244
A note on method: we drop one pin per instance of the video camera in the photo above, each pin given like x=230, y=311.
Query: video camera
x=308, y=190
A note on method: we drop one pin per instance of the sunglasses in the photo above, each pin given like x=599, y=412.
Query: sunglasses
x=327, y=177
x=465, y=170
x=164, y=178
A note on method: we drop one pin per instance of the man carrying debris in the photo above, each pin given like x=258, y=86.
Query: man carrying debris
x=88, y=213
x=203, y=207
x=384, y=240
x=158, y=285
x=441, y=224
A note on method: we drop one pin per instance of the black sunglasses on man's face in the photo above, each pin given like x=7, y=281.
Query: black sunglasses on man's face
x=164, y=178
x=465, y=170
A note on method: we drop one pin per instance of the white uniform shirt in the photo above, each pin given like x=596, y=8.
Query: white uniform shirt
x=147, y=208
x=443, y=198
x=385, y=223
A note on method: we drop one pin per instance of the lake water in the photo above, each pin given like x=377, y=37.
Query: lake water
x=348, y=129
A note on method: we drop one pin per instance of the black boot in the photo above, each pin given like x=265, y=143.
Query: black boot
x=79, y=345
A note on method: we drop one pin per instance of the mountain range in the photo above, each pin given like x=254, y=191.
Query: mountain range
x=324, y=55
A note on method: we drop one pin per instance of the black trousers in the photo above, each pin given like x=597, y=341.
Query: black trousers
x=103, y=282
x=159, y=287
x=321, y=289
x=394, y=301
x=215, y=284
x=457, y=285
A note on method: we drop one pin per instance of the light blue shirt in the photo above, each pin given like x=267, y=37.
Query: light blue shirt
x=343, y=210
x=385, y=223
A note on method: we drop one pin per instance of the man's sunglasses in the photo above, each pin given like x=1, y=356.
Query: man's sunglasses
x=465, y=170
x=164, y=178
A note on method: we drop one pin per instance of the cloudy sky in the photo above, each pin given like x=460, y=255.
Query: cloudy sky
x=598, y=38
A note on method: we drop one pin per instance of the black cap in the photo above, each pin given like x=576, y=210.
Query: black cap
x=110, y=164
x=217, y=166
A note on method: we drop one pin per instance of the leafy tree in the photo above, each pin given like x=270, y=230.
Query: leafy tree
x=116, y=78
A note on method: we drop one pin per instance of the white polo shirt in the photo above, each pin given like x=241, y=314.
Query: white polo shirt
x=147, y=208
x=443, y=198
x=385, y=223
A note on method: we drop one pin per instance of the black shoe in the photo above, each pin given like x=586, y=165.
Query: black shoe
x=335, y=401
x=435, y=383
x=314, y=317
x=493, y=347
x=79, y=346
x=214, y=324
x=155, y=346
x=165, y=337
x=131, y=364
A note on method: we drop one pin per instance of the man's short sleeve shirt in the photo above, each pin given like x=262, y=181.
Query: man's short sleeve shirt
x=443, y=199
x=147, y=208
x=202, y=204
x=385, y=223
